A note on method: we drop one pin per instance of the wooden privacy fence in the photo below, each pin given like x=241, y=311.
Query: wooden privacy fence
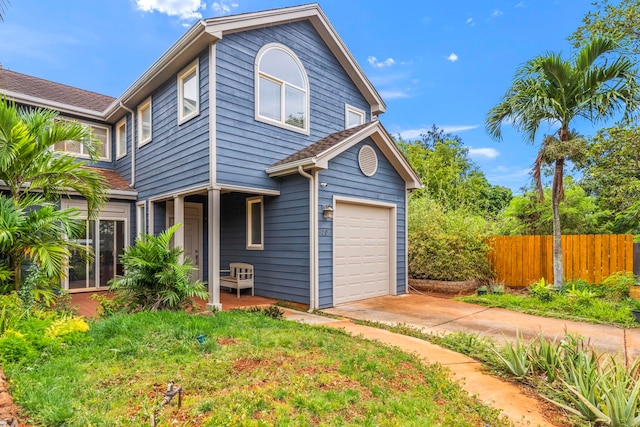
x=522, y=260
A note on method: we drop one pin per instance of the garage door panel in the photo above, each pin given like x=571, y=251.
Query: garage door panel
x=361, y=252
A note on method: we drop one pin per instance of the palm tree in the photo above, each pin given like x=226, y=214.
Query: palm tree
x=28, y=161
x=597, y=84
x=35, y=175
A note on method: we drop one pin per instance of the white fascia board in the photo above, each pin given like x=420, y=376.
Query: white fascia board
x=173, y=60
x=291, y=167
x=312, y=12
x=248, y=190
x=58, y=106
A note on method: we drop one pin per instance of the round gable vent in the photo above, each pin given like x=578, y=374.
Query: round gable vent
x=368, y=160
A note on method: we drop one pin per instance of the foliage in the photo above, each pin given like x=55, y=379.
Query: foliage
x=107, y=306
x=33, y=229
x=154, y=277
x=516, y=356
x=270, y=311
x=11, y=311
x=303, y=372
x=577, y=300
x=450, y=177
x=611, y=173
x=618, y=284
x=618, y=21
x=446, y=244
x=528, y=215
x=596, y=84
x=65, y=326
x=15, y=348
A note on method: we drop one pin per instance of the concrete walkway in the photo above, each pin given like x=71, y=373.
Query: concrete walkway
x=520, y=409
x=442, y=315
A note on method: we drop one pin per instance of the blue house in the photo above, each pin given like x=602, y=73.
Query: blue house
x=259, y=133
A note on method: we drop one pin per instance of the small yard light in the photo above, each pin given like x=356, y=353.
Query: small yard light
x=327, y=212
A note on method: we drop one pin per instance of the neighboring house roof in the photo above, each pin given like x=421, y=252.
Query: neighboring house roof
x=35, y=91
x=318, y=154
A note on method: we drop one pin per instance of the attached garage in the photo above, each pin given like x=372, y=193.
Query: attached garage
x=364, y=244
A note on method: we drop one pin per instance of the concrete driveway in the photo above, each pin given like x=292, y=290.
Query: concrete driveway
x=441, y=315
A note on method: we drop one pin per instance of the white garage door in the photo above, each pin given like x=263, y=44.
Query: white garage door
x=361, y=252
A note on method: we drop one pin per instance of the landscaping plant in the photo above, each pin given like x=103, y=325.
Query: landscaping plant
x=154, y=277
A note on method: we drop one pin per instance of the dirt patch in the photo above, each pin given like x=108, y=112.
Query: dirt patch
x=8, y=410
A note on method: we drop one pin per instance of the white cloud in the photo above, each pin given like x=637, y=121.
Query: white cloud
x=223, y=7
x=373, y=61
x=470, y=21
x=393, y=94
x=413, y=134
x=521, y=4
x=497, y=13
x=487, y=153
x=184, y=9
x=453, y=57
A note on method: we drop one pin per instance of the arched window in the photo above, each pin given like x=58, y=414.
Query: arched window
x=282, y=89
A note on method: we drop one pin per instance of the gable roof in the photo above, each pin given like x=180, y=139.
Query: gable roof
x=35, y=91
x=318, y=154
x=209, y=31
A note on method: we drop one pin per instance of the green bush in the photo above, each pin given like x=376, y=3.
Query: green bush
x=617, y=285
x=154, y=278
x=446, y=244
x=14, y=348
x=542, y=291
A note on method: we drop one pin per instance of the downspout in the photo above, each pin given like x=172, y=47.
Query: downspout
x=133, y=144
x=313, y=219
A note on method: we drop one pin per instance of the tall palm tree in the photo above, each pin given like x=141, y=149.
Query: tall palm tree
x=597, y=84
x=35, y=173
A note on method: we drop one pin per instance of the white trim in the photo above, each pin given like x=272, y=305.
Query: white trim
x=313, y=238
x=182, y=191
x=250, y=201
x=213, y=237
x=111, y=211
x=213, y=164
x=283, y=84
x=248, y=190
x=393, y=238
x=143, y=141
x=122, y=123
x=406, y=242
x=189, y=69
x=358, y=112
x=141, y=218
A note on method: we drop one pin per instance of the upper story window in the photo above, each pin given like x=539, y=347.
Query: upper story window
x=353, y=117
x=188, y=93
x=101, y=133
x=144, y=122
x=282, y=89
x=121, y=138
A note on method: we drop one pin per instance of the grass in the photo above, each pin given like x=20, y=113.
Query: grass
x=595, y=308
x=251, y=370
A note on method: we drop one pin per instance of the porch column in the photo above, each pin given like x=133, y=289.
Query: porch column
x=152, y=207
x=178, y=218
x=213, y=237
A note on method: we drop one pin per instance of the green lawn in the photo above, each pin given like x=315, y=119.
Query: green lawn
x=251, y=370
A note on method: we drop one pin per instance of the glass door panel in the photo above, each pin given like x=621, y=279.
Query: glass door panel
x=77, y=264
x=112, y=238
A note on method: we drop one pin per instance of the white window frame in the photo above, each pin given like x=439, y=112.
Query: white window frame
x=350, y=109
x=258, y=74
x=146, y=104
x=141, y=218
x=194, y=66
x=107, y=143
x=121, y=146
x=250, y=202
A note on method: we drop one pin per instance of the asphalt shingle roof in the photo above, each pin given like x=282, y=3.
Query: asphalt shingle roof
x=51, y=91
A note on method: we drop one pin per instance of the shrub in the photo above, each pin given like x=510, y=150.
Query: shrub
x=617, y=285
x=446, y=244
x=14, y=347
x=542, y=290
x=154, y=278
x=66, y=326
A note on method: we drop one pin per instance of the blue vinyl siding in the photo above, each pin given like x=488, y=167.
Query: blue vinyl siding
x=159, y=217
x=246, y=147
x=282, y=268
x=178, y=155
x=344, y=178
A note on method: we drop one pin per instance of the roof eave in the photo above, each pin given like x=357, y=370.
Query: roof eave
x=172, y=61
x=291, y=167
x=45, y=103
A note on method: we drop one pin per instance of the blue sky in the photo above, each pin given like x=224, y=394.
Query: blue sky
x=443, y=62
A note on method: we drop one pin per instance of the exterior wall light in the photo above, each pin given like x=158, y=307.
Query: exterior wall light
x=327, y=212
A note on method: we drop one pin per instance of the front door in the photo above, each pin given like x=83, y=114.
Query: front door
x=192, y=234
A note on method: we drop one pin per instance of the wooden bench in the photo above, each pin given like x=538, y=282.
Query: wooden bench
x=240, y=277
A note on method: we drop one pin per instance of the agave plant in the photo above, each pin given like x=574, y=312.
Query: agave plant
x=154, y=277
x=516, y=356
